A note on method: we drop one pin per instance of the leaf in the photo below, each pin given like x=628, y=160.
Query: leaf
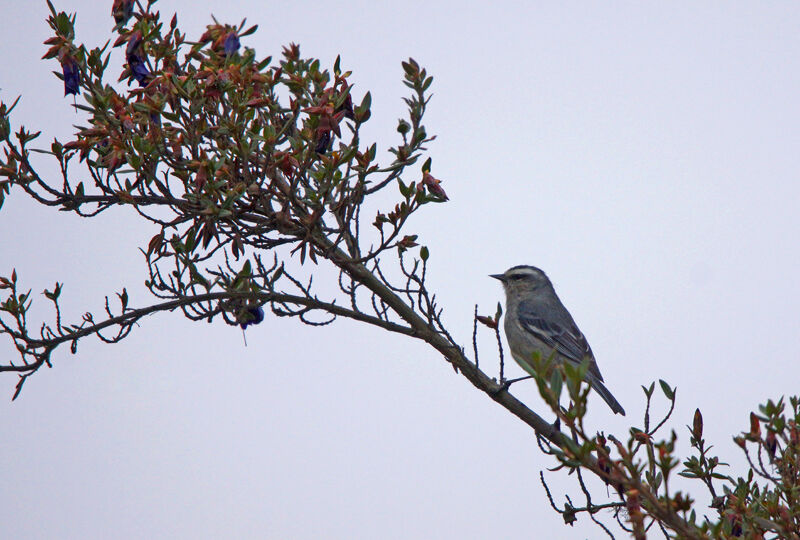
x=123, y=298
x=276, y=275
x=556, y=383
x=583, y=367
x=366, y=102
x=18, y=388
x=249, y=31
x=487, y=321
x=155, y=243
x=54, y=294
x=57, y=149
x=362, y=112
x=246, y=270
x=426, y=167
x=755, y=426
x=405, y=191
x=669, y=392
x=236, y=246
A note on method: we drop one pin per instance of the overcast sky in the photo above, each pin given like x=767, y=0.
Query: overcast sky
x=645, y=157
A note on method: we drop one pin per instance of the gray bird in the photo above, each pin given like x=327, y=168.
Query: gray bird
x=537, y=321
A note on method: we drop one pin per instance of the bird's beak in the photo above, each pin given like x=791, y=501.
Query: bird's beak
x=499, y=277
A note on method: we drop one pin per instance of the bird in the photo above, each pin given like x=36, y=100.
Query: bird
x=537, y=322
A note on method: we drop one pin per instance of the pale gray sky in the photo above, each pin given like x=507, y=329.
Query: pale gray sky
x=645, y=156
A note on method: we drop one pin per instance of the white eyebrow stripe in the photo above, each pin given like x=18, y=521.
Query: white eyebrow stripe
x=519, y=272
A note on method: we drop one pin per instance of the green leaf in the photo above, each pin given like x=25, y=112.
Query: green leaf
x=556, y=383
x=276, y=275
x=264, y=63
x=405, y=191
x=583, y=367
x=426, y=167
x=191, y=239
x=55, y=293
x=246, y=269
x=249, y=31
x=56, y=149
x=177, y=245
x=362, y=112
x=669, y=392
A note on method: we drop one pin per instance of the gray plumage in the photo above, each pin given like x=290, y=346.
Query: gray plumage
x=537, y=321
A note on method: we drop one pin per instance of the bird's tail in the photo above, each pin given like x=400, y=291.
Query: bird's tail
x=601, y=389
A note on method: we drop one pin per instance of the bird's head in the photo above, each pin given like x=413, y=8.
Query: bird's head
x=522, y=279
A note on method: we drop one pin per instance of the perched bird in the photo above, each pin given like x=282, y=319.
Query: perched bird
x=537, y=321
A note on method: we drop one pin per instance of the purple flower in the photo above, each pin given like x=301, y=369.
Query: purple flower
x=139, y=70
x=136, y=61
x=72, y=75
x=231, y=44
x=256, y=315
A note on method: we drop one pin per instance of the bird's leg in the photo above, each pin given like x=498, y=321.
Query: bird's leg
x=506, y=383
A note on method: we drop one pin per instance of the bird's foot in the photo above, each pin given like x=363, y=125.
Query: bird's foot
x=509, y=382
x=504, y=384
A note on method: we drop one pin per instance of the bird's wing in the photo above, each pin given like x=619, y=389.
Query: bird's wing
x=568, y=341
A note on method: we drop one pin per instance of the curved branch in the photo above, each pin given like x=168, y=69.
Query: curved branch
x=499, y=392
x=133, y=315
